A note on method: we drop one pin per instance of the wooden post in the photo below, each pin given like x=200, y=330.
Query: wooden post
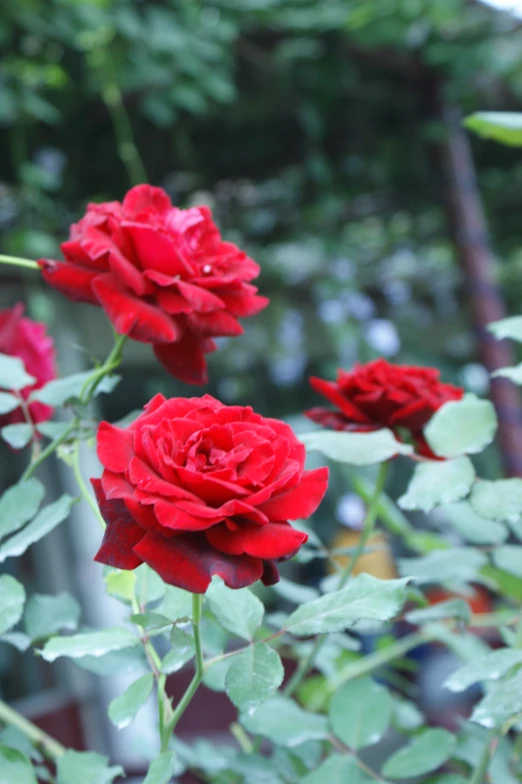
x=469, y=228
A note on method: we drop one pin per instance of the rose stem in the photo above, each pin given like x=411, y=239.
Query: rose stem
x=479, y=774
x=18, y=262
x=197, y=604
x=368, y=525
x=84, y=490
x=50, y=747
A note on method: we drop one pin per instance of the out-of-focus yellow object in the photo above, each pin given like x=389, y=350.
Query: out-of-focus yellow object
x=379, y=563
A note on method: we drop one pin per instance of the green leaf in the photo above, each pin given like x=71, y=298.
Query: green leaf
x=471, y=526
x=12, y=604
x=181, y=652
x=453, y=608
x=89, y=644
x=121, y=584
x=66, y=390
x=438, y=482
x=364, y=598
x=124, y=708
x=44, y=522
x=461, y=427
x=161, y=769
x=85, y=767
x=428, y=751
x=150, y=587
x=459, y=563
x=151, y=621
x=128, y=661
x=13, y=374
x=513, y=373
x=503, y=127
x=8, y=402
x=18, y=640
x=45, y=615
x=356, y=448
x=176, y=604
x=216, y=674
x=498, y=500
x=15, y=767
x=282, y=721
x=509, y=558
x=503, y=701
x=238, y=611
x=360, y=712
x=507, y=328
x=293, y=592
x=338, y=769
x=19, y=504
x=492, y=666
x=406, y=716
x=17, y=436
x=52, y=430
x=253, y=676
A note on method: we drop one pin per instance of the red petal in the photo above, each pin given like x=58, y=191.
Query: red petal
x=184, y=360
x=171, y=516
x=70, y=279
x=132, y=316
x=270, y=574
x=142, y=198
x=201, y=300
x=275, y=540
x=121, y=534
x=156, y=251
x=131, y=277
x=187, y=561
x=219, y=323
x=302, y=500
x=114, y=447
x=331, y=392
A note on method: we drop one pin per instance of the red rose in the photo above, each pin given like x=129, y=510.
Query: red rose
x=380, y=395
x=26, y=339
x=163, y=276
x=196, y=488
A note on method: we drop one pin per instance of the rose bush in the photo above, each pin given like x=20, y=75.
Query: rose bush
x=379, y=394
x=27, y=340
x=196, y=488
x=163, y=276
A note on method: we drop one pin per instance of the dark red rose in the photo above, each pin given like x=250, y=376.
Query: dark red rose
x=378, y=395
x=195, y=488
x=163, y=276
x=26, y=339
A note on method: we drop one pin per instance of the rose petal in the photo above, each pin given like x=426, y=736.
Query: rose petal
x=156, y=250
x=121, y=534
x=187, y=561
x=184, y=359
x=176, y=519
x=132, y=316
x=302, y=500
x=274, y=540
x=270, y=574
x=219, y=323
x=331, y=393
x=70, y=279
x=145, y=197
x=114, y=447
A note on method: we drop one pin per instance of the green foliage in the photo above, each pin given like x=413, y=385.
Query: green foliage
x=471, y=526
x=338, y=769
x=71, y=389
x=427, y=752
x=89, y=644
x=13, y=374
x=14, y=766
x=360, y=713
x=460, y=564
x=13, y=599
x=19, y=504
x=17, y=436
x=161, y=769
x=502, y=702
x=239, y=611
x=46, y=615
x=356, y=448
x=124, y=708
x=504, y=127
x=253, y=676
x=44, y=522
x=437, y=483
x=461, y=427
x=181, y=652
x=365, y=597
x=85, y=767
x=492, y=666
x=498, y=500
x=283, y=722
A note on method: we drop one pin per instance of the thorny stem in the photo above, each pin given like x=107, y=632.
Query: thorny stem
x=84, y=490
x=50, y=747
x=367, y=529
x=197, y=604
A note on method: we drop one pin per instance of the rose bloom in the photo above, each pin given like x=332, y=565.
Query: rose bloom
x=28, y=340
x=195, y=488
x=163, y=276
x=379, y=395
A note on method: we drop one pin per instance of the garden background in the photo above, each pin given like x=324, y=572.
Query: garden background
x=326, y=137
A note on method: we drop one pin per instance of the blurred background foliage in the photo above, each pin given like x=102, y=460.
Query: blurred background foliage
x=309, y=126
